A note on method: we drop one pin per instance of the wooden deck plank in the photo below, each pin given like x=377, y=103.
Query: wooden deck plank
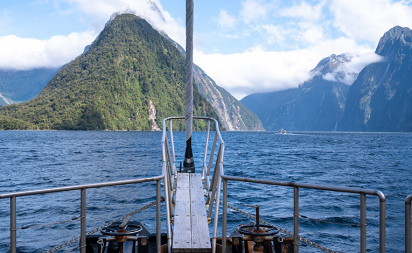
x=191, y=231
x=182, y=229
x=200, y=228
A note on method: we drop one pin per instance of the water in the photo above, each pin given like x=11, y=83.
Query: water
x=31, y=160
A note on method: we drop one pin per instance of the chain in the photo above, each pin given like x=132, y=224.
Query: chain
x=100, y=228
x=307, y=241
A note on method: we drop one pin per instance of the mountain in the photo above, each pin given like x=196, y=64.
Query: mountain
x=130, y=78
x=23, y=85
x=316, y=105
x=381, y=97
x=234, y=115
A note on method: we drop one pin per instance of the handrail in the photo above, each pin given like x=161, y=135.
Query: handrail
x=82, y=188
x=408, y=224
x=208, y=187
x=296, y=186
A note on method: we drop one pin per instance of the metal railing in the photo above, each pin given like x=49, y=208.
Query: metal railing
x=408, y=224
x=169, y=161
x=82, y=188
x=214, y=188
x=296, y=186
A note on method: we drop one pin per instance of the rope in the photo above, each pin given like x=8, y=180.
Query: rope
x=99, y=228
x=49, y=224
x=189, y=69
x=329, y=222
x=307, y=241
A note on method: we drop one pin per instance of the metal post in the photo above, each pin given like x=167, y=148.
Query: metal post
x=382, y=226
x=408, y=224
x=363, y=222
x=13, y=225
x=296, y=219
x=168, y=214
x=205, y=154
x=224, y=218
x=158, y=232
x=83, y=220
x=216, y=218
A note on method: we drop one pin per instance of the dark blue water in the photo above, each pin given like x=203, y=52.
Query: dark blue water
x=31, y=160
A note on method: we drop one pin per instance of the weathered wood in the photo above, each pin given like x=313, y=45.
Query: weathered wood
x=182, y=232
x=200, y=228
x=191, y=231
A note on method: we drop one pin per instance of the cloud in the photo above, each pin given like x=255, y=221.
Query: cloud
x=152, y=11
x=256, y=70
x=304, y=11
x=348, y=72
x=259, y=70
x=253, y=10
x=24, y=53
x=225, y=20
x=370, y=19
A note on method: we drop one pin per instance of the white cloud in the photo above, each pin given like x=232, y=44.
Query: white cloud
x=160, y=19
x=258, y=70
x=253, y=10
x=25, y=53
x=304, y=11
x=348, y=72
x=276, y=34
x=370, y=19
x=226, y=20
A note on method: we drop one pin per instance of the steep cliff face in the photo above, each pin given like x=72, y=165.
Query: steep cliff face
x=234, y=116
x=381, y=97
x=317, y=105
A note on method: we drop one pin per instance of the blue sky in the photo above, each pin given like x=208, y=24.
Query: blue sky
x=246, y=46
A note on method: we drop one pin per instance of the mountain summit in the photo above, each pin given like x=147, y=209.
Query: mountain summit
x=381, y=97
x=130, y=78
x=316, y=105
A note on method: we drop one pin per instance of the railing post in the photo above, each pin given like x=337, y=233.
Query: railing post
x=408, y=224
x=216, y=218
x=224, y=218
x=205, y=153
x=363, y=222
x=83, y=220
x=13, y=225
x=158, y=232
x=296, y=219
x=382, y=226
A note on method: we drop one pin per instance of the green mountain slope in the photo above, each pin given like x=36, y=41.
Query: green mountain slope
x=130, y=79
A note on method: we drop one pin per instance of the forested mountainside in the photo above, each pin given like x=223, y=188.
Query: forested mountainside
x=130, y=78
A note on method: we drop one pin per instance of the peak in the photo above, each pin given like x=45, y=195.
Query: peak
x=330, y=63
x=401, y=36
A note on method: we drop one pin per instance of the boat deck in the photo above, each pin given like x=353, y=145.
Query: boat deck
x=191, y=231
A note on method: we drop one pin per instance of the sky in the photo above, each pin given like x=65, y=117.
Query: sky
x=246, y=46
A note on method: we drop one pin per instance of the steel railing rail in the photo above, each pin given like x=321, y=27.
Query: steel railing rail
x=82, y=188
x=296, y=186
x=408, y=224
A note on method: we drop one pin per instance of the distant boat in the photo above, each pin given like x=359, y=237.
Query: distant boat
x=282, y=131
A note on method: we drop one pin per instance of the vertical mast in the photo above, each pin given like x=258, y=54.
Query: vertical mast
x=188, y=163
